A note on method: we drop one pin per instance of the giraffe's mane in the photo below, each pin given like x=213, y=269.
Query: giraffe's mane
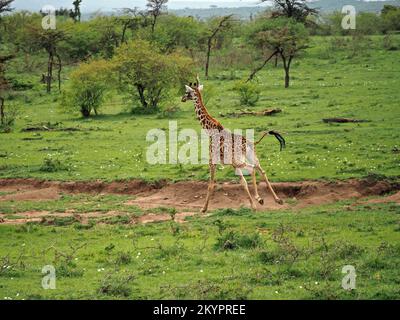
x=200, y=101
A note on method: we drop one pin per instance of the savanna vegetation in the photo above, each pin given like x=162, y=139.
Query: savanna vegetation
x=77, y=103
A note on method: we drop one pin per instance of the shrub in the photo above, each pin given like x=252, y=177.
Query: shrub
x=8, y=118
x=232, y=240
x=69, y=270
x=87, y=88
x=116, y=285
x=52, y=165
x=123, y=258
x=249, y=93
x=147, y=76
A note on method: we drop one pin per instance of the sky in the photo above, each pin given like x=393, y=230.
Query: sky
x=94, y=5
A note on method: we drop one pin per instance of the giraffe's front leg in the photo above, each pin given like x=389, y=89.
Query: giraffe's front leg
x=256, y=195
x=211, y=187
x=243, y=182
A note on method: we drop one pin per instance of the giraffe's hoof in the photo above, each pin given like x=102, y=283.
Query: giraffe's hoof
x=261, y=201
x=279, y=201
x=204, y=210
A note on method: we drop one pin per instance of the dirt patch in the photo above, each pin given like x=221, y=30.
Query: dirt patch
x=131, y=187
x=188, y=197
x=392, y=198
x=24, y=194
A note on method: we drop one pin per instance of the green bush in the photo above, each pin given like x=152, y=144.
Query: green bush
x=232, y=240
x=52, y=165
x=249, y=93
x=116, y=285
x=147, y=76
x=8, y=120
x=87, y=88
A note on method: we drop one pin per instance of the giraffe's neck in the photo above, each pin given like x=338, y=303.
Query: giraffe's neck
x=207, y=122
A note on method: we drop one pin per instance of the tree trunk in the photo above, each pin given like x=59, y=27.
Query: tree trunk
x=85, y=112
x=260, y=67
x=153, y=24
x=143, y=101
x=59, y=72
x=2, y=115
x=125, y=27
x=208, y=57
x=287, y=78
x=286, y=66
x=49, y=72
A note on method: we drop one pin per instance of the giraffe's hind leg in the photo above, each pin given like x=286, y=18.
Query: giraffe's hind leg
x=243, y=182
x=269, y=186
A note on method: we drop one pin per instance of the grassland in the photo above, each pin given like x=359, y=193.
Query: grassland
x=335, y=78
x=231, y=254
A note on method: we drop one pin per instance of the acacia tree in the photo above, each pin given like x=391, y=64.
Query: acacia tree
x=283, y=37
x=5, y=6
x=76, y=12
x=132, y=19
x=295, y=9
x=155, y=9
x=147, y=75
x=49, y=40
x=220, y=25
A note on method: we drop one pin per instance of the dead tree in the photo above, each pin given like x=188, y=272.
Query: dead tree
x=221, y=25
x=155, y=8
x=246, y=112
x=343, y=120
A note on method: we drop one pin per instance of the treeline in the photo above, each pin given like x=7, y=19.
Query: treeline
x=146, y=54
x=367, y=23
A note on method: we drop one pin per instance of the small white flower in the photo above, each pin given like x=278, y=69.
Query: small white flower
x=276, y=292
x=316, y=282
x=201, y=270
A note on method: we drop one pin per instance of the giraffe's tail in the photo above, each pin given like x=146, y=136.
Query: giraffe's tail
x=277, y=136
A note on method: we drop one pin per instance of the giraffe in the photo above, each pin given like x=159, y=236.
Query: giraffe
x=228, y=148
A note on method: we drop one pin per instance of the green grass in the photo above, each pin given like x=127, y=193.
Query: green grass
x=330, y=80
x=233, y=254
x=79, y=203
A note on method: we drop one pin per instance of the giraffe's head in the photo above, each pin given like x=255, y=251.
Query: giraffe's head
x=192, y=90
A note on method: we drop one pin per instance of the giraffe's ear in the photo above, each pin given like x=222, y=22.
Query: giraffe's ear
x=188, y=89
x=201, y=87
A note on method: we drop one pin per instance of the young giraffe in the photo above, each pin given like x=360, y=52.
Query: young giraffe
x=227, y=153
